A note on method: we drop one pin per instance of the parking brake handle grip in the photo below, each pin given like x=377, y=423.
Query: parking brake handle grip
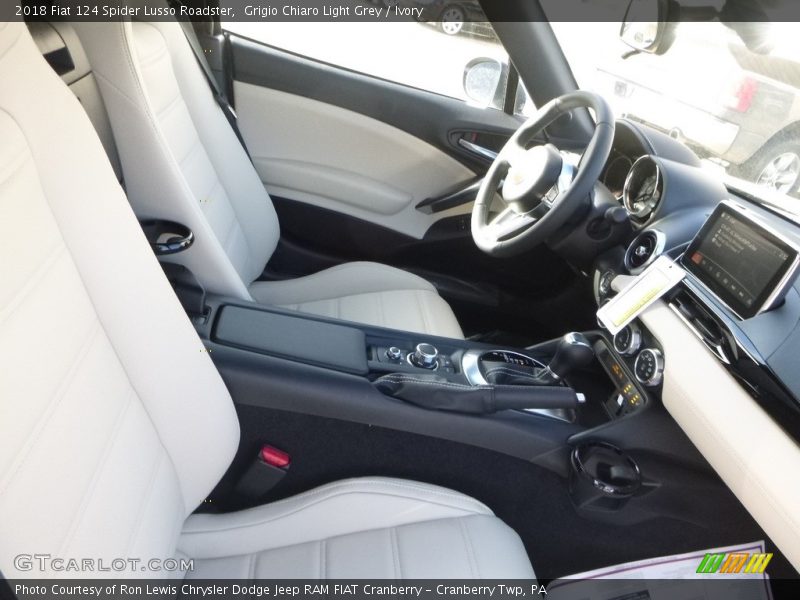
x=437, y=393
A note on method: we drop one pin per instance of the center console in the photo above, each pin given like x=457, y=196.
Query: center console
x=439, y=374
x=576, y=406
x=525, y=402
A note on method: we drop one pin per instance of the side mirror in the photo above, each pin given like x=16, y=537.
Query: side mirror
x=646, y=27
x=485, y=80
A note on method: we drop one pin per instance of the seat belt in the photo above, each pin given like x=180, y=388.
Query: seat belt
x=219, y=95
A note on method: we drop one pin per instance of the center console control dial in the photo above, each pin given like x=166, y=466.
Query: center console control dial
x=394, y=353
x=425, y=356
x=649, y=367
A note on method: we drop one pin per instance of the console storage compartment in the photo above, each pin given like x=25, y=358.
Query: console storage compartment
x=298, y=338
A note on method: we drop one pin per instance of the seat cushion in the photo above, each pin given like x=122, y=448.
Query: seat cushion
x=368, y=293
x=358, y=528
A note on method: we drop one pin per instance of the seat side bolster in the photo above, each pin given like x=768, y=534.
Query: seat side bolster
x=339, y=508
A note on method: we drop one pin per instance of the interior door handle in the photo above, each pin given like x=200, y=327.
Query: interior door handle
x=462, y=194
x=477, y=149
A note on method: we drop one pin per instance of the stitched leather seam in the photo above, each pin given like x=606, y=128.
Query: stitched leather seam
x=389, y=283
x=473, y=563
x=421, y=308
x=11, y=43
x=251, y=566
x=162, y=113
x=388, y=530
x=194, y=148
x=97, y=472
x=11, y=169
x=323, y=546
x=446, y=384
x=33, y=281
x=443, y=384
x=147, y=498
x=154, y=57
x=398, y=568
x=61, y=390
x=333, y=492
x=382, y=309
x=227, y=240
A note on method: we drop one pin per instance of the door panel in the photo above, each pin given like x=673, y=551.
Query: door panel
x=425, y=115
x=338, y=159
x=348, y=157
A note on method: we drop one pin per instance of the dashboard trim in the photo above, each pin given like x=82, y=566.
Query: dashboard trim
x=740, y=440
x=747, y=367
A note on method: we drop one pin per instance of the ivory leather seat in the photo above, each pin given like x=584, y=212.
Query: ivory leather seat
x=183, y=162
x=114, y=423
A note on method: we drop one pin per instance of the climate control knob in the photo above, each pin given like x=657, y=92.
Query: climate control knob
x=649, y=367
x=425, y=356
x=628, y=340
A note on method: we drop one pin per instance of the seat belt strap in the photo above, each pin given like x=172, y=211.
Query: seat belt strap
x=213, y=84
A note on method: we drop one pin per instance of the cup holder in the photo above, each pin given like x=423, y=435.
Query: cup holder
x=603, y=476
x=167, y=237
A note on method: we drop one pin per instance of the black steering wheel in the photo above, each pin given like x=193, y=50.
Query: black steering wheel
x=542, y=187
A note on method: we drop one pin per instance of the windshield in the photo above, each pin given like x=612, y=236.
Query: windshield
x=737, y=108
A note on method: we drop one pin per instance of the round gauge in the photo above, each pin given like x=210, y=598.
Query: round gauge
x=649, y=366
x=643, y=189
x=616, y=172
x=628, y=340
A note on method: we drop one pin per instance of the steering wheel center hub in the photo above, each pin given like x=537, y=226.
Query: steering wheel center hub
x=532, y=174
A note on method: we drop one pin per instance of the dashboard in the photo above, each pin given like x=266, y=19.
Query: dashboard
x=740, y=297
x=719, y=352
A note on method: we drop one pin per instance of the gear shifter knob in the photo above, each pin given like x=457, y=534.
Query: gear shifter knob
x=573, y=352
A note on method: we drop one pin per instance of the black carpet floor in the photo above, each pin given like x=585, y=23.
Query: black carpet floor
x=533, y=501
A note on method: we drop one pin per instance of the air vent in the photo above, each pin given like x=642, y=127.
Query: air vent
x=644, y=249
x=705, y=326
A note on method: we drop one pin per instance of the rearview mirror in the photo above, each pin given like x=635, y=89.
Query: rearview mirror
x=646, y=26
x=485, y=81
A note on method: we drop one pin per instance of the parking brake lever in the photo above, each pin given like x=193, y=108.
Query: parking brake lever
x=437, y=393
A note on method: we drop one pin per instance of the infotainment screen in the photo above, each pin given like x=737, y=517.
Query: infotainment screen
x=747, y=266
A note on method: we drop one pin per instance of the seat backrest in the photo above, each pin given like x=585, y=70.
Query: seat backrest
x=180, y=157
x=114, y=423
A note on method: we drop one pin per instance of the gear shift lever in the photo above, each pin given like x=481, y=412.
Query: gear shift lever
x=573, y=352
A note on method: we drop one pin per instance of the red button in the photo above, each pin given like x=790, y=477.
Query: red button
x=274, y=457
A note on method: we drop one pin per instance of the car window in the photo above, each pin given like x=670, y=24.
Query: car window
x=731, y=92
x=428, y=55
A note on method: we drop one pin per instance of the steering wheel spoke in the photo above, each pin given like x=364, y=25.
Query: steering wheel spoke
x=508, y=223
x=569, y=167
x=513, y=154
